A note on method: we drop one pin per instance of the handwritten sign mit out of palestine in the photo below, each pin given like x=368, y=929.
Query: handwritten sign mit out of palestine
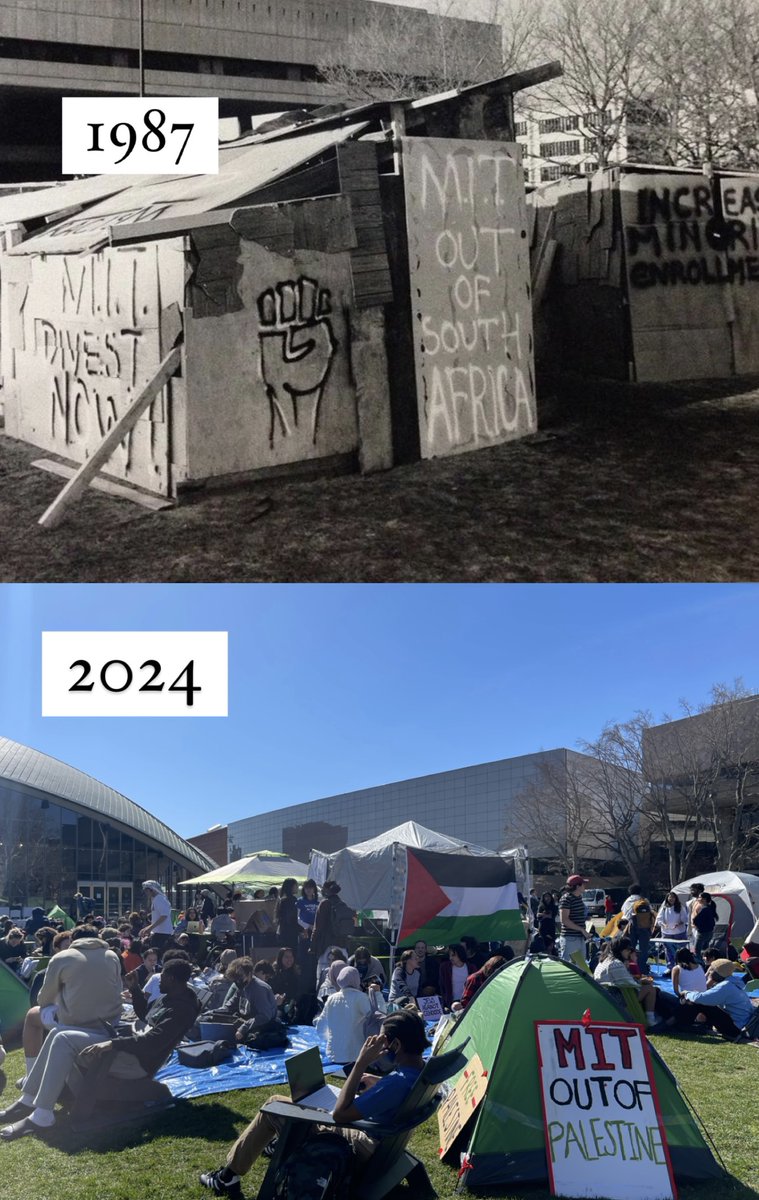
x=603, y=1126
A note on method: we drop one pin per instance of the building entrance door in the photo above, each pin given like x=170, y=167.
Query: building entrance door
x=113, y=900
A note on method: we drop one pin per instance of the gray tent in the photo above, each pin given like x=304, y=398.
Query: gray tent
x=372, y=874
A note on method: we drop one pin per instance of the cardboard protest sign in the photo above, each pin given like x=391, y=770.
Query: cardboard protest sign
x=461, y=1102
x=430, y=1007
x=603, y=1127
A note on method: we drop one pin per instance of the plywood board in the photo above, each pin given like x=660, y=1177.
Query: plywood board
x=678, y=278
x=80, y=339
x=470, y=293
x=271, y=383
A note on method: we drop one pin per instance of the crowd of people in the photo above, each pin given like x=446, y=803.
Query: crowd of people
x=124, y=995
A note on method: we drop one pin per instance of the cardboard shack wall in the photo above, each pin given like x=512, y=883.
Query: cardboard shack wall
x=374, y=874
x=283, y=327
x=656, y=276
x=506, y=1141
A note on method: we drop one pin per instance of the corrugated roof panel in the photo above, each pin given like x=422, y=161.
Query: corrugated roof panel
x=241, y=170
x=23, y=765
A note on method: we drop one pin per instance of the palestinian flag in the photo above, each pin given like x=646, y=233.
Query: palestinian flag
x=451, y=894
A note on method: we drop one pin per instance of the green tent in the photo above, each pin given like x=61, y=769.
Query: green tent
x=14, y=1001
x=505, y=1138
x=57, y=914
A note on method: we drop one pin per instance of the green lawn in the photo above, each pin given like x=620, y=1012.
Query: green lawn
x=141, y=1163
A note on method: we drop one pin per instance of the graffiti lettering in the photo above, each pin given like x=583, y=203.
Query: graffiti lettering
x=474, y=339
x=89, y=341
x=297, y=347
x=681, y=238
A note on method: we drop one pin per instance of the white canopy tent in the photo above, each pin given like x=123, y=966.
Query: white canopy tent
x=372, y=874
x=739, y=887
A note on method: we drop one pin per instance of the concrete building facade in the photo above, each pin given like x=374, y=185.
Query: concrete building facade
x=472, y=803
x=257, y=56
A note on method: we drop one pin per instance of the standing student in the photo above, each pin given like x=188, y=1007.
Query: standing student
x=572, y=917
x=672, y=921
x=160, y=929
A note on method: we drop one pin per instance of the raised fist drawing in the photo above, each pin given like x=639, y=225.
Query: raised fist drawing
x=297, y=349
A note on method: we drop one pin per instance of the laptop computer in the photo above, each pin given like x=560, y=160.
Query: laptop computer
x=306, y=1077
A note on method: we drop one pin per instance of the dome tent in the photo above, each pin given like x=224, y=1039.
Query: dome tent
x=737, y=886
x=505, y=1139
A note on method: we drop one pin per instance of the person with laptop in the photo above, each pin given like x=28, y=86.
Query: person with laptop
x=363, y=1097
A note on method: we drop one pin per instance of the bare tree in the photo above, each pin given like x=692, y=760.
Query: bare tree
x=401, y=53
x=599, y=43
x=554, y=818
x=704, y=74
x=727, y=729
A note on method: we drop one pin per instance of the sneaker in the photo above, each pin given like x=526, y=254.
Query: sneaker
x=222, y=1186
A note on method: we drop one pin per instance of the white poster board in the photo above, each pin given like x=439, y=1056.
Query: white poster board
x=603, y=1127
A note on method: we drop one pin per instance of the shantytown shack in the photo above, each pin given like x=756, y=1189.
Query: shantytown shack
x=648, y=274
x=351, y=291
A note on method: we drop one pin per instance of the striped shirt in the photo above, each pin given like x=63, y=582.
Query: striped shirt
x=576, y=913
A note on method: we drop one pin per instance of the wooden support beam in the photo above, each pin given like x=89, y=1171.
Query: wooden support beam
x=88, y=470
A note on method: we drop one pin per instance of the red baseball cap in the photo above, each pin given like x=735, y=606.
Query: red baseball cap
x=575, y=880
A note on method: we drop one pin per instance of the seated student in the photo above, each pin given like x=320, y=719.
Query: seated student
x=130, y=955
x=363, y=1097
x=43, y=939
x=475, y=957
x=612, y=970
x=216, y=981
x=148, y=967
x=476, y=979
x=724, y=1004
x=328, y=978
x=249, y=998
x=190, y=922
x=687, y=974
x=81, y=990
x=12, y=951
x=428, y=966
x=341, y=1021
x=454, y=973
x=152, y=988
x=370, y=969
x=222, y=925
x=286, y=978
x=404, y=982
x=135, y=1056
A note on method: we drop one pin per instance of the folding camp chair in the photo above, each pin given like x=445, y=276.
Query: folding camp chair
x=391, y=1162
x=579, y=960
x=633, y=1004
x=104, y=1100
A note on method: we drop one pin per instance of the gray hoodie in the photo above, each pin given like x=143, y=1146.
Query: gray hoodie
x=85, y=983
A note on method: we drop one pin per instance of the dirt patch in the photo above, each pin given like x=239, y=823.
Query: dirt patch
x=623, y=484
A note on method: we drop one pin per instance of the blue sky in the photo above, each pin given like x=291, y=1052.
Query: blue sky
x=340, y=687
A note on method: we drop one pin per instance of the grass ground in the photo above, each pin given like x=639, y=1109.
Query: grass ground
x=622, y=484
x=162, y=1163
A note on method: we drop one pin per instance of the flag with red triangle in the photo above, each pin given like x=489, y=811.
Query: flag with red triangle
x=448, y=895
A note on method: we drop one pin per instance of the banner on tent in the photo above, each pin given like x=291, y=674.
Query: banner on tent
x=603, y=1126
x=448, y=895
x=461, y=1102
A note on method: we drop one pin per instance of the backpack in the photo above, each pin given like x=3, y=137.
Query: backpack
x=343, y=926
x=205, y=1054
x=373, y=1020
x=270, y=1036
x=321, y=1170
x=643, y=914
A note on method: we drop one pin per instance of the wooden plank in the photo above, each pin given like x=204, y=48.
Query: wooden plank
x=120, y=490
x=370, y=266
x=78, y=484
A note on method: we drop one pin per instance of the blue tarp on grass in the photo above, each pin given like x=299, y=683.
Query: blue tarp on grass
x=248, y=1068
